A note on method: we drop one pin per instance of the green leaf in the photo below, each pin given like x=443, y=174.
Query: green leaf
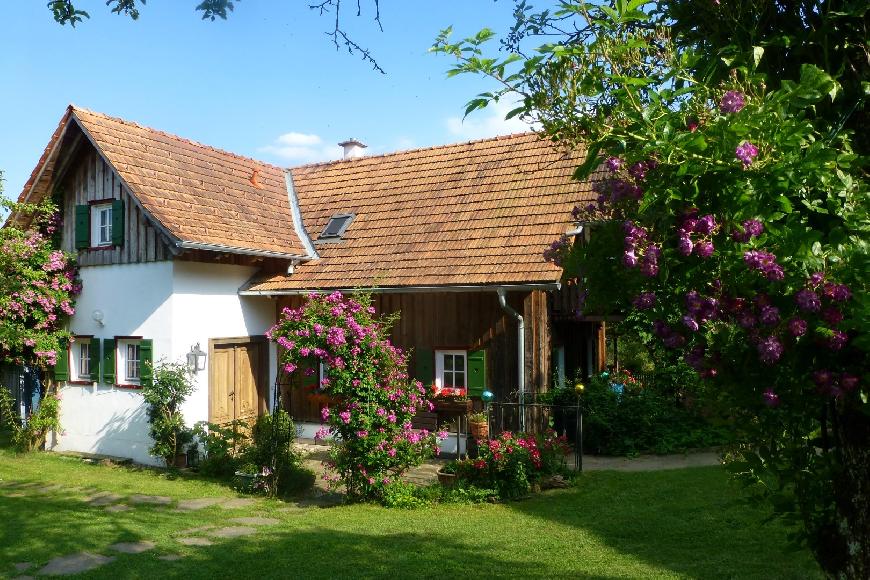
x=757, y=53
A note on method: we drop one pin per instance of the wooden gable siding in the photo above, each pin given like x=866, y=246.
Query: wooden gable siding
x=468, y=321
x=90, y=178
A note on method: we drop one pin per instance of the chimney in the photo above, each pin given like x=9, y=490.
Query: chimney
x=352, y=148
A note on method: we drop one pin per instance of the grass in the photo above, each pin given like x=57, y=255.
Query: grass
x=688, y=523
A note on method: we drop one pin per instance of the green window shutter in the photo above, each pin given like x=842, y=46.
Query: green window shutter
x=94, y=359
x=476, y=373
x=83, y=226
x=146, y=362
x=109, y=361
x=424, y=366
x=117, y=223
x=61, y=367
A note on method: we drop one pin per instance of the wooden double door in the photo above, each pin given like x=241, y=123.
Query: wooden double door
x=238, y=379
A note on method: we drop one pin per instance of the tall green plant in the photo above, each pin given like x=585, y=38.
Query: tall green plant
x=731, y=222
x=172, y=383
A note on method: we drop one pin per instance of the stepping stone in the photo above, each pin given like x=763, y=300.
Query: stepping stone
x=170, y=557
x=17, y=494
x=24, y=578
x=195, y=541
x=233, y=532
x=104, y=498
x=23, y=566
x=255, y=521
x=118, y=507
x=132, y=547
x=150, y=499
x=48, y=488
x=194, y=531
x=237, y=503
x=74, y=564
x=198, y=504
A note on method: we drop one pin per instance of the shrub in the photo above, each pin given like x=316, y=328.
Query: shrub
x=164, y=395
x=637, y=418
x=271, y=456
x=223, y=446
x=30, y=434
x=511, y=463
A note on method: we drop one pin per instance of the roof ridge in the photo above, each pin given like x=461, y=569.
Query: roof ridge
x=417, y=149
x=75, y=108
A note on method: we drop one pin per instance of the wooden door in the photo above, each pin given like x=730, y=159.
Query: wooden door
x=237, y=379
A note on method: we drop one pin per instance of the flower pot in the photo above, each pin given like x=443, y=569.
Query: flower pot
x=446, y=479
x=448, y=407
x=479, y=430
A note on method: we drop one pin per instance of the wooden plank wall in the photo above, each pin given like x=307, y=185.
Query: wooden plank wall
x=469, y=321
x=91, y=178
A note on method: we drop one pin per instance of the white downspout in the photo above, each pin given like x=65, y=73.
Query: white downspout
x=521, y=353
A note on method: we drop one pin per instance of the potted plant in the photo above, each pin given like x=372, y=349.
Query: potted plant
x=478, y=425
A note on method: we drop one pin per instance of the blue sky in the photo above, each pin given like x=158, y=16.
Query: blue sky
x=266, y=83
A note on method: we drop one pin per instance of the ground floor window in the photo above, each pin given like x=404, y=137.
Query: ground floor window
x=80, y=358
x=129, y=361
x=451, y=371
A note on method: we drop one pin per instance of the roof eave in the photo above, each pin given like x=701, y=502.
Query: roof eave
x=408, y=289
x=187, y=245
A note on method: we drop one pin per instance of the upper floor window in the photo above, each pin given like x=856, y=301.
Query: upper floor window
x=101, y=225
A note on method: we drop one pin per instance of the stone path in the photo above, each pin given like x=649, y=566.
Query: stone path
x=427, y=473
x=74, y=564
x=114, y=502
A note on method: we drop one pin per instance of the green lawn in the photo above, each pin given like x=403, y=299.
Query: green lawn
x=677, y=524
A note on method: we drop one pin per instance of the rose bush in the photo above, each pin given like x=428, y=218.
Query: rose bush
x=374, y=442
x=39, y=287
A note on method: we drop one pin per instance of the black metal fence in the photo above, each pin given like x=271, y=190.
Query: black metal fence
x=533, y=417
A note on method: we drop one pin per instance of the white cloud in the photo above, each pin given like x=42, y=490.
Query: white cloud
x=301, y=148
x=292, y=139
x=488, y=122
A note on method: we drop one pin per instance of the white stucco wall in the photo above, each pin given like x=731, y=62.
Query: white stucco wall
x=136, y=300
x=176, y=304
x=206, y=305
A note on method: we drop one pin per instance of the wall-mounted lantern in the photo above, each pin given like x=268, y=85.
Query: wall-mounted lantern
x=196, y=359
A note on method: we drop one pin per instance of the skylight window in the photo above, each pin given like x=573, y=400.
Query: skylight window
x=336, y=226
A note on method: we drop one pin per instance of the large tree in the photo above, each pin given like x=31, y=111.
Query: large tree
x=732, y=216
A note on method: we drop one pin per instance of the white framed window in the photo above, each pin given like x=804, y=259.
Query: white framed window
x=129, y=362
x=80, y=357
x=451, y=371
x=101, y=225
x=324, y=372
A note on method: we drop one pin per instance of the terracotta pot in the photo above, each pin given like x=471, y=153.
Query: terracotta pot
x=479, y=430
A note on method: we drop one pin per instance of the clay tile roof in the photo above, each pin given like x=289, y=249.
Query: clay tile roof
x=477, y=213
x=199, y=194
